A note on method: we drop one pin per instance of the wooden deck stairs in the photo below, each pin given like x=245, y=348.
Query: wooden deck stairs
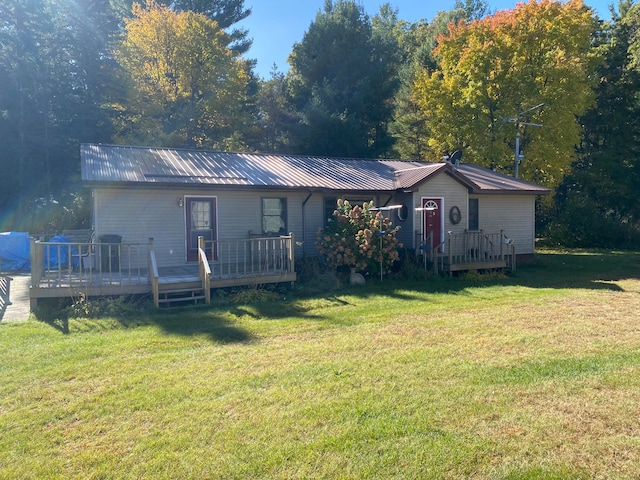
x=173, y=294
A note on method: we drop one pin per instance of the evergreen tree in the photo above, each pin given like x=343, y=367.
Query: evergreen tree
x=276, y=115
x=224, y=12
x=598, y=204
x=55, y=67
x=341, y=80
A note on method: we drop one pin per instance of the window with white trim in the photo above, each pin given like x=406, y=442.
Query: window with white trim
x=274, y=216
x=474, y=222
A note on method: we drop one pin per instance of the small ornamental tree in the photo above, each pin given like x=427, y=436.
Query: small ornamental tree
x=359, y=238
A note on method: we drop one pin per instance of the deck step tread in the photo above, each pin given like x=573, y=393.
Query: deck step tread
x=180, y=286
x=180, y=290
x=180, y=299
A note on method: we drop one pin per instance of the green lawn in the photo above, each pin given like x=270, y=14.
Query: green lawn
x=536, y=375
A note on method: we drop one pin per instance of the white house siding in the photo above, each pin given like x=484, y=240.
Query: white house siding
x=139, y=213
x=406, y=234
x=453, y=194
x=313, y=220
x=515, y=214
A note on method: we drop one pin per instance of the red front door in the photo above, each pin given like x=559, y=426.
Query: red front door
x=200, y=222
x=432, y=220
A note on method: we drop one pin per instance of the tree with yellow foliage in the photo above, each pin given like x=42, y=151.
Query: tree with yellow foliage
x=185, y=87
x=492, y=69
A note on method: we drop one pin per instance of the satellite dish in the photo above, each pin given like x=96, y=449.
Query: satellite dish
x=454, y=159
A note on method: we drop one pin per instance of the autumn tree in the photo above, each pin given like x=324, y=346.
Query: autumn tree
x=225, y=13
x=186, y=88
x=417, y=41
x=494, y=68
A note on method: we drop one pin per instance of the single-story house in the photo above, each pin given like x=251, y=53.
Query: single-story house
x=174, y=196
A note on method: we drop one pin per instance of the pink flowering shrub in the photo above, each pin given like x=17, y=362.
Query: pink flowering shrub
x=359, y=238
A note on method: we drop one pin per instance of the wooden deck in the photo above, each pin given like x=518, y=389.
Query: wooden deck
x=132, y=269
x=477, y=250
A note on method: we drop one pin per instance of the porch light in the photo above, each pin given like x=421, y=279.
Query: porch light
x=426, y=209
x=180, y=202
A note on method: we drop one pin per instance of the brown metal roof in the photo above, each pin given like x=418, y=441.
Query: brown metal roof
x=145, y=165
x=488, y=181
x=415, y=173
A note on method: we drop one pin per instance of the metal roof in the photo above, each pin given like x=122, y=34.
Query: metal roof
x=146, y=165
x=414, y=173
x=488, y=181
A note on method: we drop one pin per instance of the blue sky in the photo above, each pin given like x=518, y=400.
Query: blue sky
x=275, y=25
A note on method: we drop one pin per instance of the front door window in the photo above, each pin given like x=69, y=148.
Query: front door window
x=200, y=220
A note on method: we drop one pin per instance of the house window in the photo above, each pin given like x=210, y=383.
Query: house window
x=474, y=223
x=330, y=205
x=274, y=215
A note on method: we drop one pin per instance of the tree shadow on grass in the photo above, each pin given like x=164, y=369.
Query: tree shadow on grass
x=181, y=322
x=590, y=270
x=557, y=270
x=196, y=322
x=221, y=322
x=135, y=312
x=275, y=310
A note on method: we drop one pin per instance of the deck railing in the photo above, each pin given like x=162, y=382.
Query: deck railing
x=471, y=250
x=5, y=292
x=204, y=270
x=116, y=266
x=154, y=276
x=88, y=264
x=477, y=250
x=251, y=257
x=475, y=247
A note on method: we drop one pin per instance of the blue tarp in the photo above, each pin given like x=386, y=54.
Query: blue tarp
x=52, y=252
x=14, y=252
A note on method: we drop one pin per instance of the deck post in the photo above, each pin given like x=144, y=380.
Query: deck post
x=501, y=244
x=449, y=252
x=153, y=273
x=149, y=250
x=203, y=270
x=292, y=266
x=37, y=262
x=37, y=269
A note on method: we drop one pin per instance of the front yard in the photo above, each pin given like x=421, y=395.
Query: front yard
x=536, y=375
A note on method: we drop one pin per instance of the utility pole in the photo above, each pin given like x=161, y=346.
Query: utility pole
x=518, y=121
x=518, y=155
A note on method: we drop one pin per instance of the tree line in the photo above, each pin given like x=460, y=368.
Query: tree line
x=552, y=76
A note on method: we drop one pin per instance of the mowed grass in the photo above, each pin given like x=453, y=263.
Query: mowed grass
x=536, y=375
